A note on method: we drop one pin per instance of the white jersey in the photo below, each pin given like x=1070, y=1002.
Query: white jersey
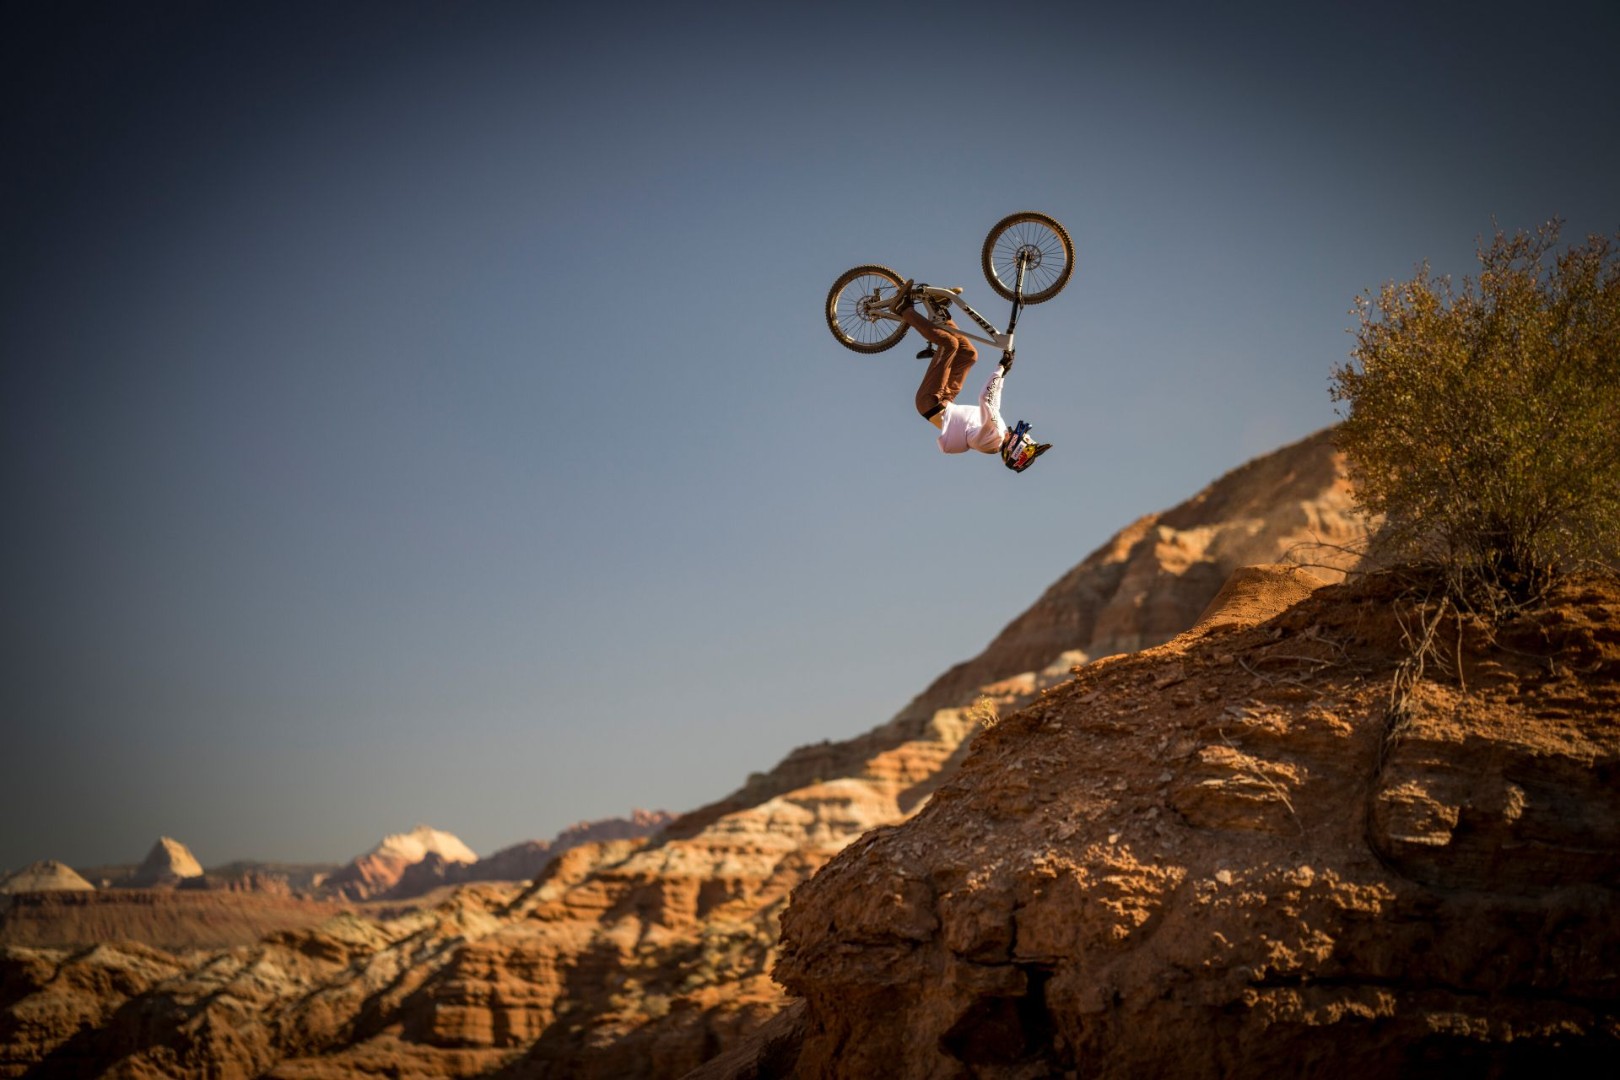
x=975, y=427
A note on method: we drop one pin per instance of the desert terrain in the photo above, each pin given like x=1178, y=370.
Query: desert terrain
x=1167, y=822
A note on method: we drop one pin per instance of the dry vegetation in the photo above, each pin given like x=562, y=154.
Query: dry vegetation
x=1483, y=424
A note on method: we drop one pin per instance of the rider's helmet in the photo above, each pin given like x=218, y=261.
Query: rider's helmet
x=1019, y=450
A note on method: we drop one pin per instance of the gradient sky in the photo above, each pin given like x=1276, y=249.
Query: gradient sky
x=424, y=413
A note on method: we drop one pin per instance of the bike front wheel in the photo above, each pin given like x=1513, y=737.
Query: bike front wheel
x=1041, y=244
x=857, y=309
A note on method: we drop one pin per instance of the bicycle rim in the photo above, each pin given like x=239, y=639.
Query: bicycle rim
x=855, y=312
x=1042, y=243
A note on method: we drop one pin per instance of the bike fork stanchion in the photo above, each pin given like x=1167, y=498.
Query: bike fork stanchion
x=1018, y=305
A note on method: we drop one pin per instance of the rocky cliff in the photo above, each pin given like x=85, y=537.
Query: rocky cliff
x=1265, y=848
x=650, y=957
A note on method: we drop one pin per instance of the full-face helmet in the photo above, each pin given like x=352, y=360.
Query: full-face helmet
x=1019, y=450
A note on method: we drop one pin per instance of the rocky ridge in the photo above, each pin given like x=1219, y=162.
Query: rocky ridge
x=1147, y=583
x=646, y=958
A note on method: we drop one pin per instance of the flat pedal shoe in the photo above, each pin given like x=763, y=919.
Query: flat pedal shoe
x=902, y=300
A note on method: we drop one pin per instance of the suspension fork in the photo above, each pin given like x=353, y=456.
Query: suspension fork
x=1018, y=305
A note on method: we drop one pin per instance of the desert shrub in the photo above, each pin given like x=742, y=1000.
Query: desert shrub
x=1484, y=425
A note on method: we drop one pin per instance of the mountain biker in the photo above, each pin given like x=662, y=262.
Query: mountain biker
x=951, y=355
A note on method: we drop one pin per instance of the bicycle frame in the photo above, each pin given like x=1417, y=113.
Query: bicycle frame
x=1002, y=341
x=1026, y=257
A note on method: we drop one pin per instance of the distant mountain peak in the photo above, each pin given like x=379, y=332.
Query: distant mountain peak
x=381, y=868
x=168, y=862
x=45, y=876
x=416, y=845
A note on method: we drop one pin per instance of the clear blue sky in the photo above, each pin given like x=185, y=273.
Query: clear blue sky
x=423, y=412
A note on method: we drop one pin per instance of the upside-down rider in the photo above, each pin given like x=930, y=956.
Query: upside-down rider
x=951, y=355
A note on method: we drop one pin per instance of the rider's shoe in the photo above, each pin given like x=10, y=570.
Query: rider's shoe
x=902, y=298
x=926, y=354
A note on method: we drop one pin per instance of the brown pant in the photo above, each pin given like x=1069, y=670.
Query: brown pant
x=954, y=356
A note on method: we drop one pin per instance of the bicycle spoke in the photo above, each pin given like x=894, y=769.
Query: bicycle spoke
x=858, y=309
x=1030, y=236
x=1031, y=247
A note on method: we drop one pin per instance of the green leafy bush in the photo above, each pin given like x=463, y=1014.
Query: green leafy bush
x=1484, y=425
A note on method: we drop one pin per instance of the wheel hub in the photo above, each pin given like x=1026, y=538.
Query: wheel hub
x=871, y=308
x=1030, y=256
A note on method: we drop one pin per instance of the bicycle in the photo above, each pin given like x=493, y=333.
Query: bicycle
x=1022, y=249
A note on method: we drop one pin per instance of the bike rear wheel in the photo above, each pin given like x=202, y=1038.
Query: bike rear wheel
x=857, y=311
x=1041, y=242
